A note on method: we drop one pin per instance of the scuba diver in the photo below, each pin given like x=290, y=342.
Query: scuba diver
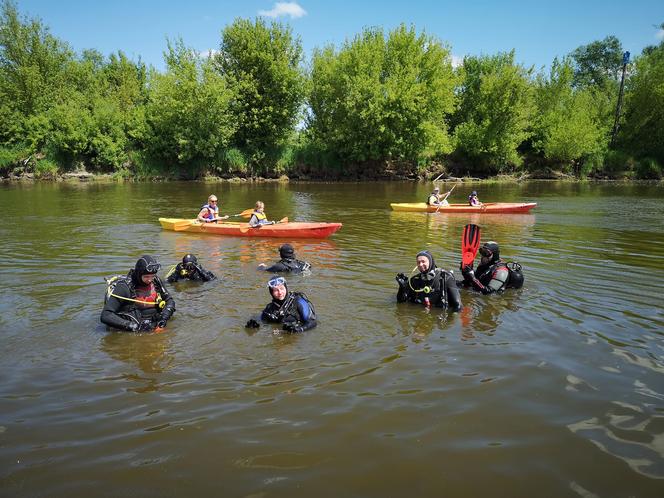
x=493, y=274
x=138, y=302
x=258, y=217
x=288, y=263
x=433, y=286
x=189, y=269
x=292, y=309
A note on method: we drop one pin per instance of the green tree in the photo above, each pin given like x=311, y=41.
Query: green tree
x=261, y=65
x=567, y=126
x=496, y=109
x=188, y=111
x=383, y=97
x=598, y=64
x=642, y=132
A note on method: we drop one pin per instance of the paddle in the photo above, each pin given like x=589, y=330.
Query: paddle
x=446, y=196
x=245, y=214
x=470, y=243
x=249, y=227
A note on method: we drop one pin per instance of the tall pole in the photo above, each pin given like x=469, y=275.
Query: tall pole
x=620, y=98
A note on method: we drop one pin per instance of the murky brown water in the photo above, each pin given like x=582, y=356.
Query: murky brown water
x=553, y=390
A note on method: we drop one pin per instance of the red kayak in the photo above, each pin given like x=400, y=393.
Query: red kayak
x=485, y=208
x=293, y=229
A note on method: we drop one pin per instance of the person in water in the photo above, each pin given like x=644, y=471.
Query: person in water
x=436, y=199
x=139, y=301
x=288, y=263
x=292, y=309
x=189, y=269
x=473, y=199
x=493, y=274
x=210, y=211
x=258, y=217
x=432, y=286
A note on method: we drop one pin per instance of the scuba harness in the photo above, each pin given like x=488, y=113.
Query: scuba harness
x=437, y=278
x=112, y=282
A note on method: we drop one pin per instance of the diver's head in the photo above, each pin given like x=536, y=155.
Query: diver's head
x=189, y=261
x=490, y=252
x=145, y=270
x=286, y=251
x=425, y=262
x=278, y=288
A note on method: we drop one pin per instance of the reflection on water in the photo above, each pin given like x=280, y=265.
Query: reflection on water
x=555, y=386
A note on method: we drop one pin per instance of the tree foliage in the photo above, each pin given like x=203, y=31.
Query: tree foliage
x=496, y=108
x=567, y=125
x=261, y=65
x=383, y=97
x=642, y=132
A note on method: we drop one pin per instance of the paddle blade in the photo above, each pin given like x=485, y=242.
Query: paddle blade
x=283, y=220
x=470, y=243
x=180, y=225
x=246, y=213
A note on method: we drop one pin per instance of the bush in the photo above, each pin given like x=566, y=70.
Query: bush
x=232, y=161
x=46, y=168
x=648, y=169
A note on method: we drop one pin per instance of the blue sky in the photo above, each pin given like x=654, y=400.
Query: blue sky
x=538, y=31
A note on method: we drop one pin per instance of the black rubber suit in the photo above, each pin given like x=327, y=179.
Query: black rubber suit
x=493, y=275
x=295, y=311
x=189, y=269
x=436, y=285
x=122, y=312
x=288, y=263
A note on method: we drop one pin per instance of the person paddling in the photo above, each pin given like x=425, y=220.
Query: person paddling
x=431, y=286
x=473, y=199
x=258, y=217
x=210, y=212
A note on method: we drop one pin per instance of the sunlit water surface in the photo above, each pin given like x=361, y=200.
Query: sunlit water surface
x=553, y=390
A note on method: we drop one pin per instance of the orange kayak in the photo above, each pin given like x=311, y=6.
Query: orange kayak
x=293, y=229
x=486, y=208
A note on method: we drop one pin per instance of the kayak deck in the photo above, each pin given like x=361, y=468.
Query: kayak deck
x=293, y=229
x=487, y=207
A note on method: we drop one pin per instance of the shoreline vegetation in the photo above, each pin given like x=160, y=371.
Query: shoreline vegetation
x=382, y=106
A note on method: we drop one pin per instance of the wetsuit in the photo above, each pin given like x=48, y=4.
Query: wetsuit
x=296, y=312
x=196, y=273
x=489, y=278
x=439, y=286
x=289, y=265
x=121, y=311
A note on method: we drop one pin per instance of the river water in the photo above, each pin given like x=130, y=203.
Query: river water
x=556, y=389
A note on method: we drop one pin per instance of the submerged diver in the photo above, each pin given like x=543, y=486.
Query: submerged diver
x=292, y=309
x=189, y=269
x=288, y=263
x=432, y=286
x=138, y=302
x=493, y=274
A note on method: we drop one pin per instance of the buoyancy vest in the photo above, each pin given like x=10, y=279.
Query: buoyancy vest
x=212, y=211
x=486, y=275
x=288, y=311
x=295, y=265
x=260, y=216
x=141, y=298
x=431, y=288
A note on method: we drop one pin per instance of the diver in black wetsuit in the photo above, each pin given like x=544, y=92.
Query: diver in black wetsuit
x=293, y=309
x=493, y=274
x=138, y=302
x=288, y=263
x=189, y=269
x=432, y=286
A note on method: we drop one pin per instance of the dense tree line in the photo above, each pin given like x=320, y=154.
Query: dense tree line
x=383, y=103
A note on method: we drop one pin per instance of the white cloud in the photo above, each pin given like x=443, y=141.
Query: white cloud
x=291, y=9
x=457, y=61
x=660, y=34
